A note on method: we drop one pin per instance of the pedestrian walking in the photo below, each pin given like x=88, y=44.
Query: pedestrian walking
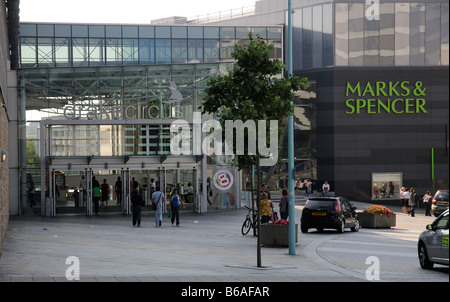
x=158, y=200
x=175, y=206
x=412, y=201
x=284, y=204
x=406, y=200
x=95, y=194
x=427, y=198
x=309, y=188
x=118, y=189
x=138, y=203
x=403, y=200
x=105, y=194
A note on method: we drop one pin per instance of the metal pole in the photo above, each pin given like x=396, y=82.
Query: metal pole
x=291, y=163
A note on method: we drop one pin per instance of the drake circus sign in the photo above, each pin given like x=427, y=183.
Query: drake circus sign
x=386, y=97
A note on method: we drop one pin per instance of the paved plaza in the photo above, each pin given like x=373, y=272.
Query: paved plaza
x=205, y=248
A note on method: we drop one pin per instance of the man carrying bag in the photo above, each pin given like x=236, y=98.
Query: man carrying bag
x=157, y=200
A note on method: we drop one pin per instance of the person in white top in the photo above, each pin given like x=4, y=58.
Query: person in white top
x=406, y=199
x=402, y=198
x=427, y=203
x=325, y=188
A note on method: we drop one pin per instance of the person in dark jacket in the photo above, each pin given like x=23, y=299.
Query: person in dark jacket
x=138, y=203
x=412, y=201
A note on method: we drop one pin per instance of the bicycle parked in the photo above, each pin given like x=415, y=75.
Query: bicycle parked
x=250, y=222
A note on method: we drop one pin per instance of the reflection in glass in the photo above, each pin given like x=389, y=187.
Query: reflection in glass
x=179, y=51
x=432, y=34
x=163, y=51
x=114, y=51
x=444, y=34
x=45, y=51
x=62, y=51
x=28, y=51
x=297, y=37
x=62, y=141
x=195, y=50
x=80, y=52
x=226, y=49
x=96, y=52
x=356, y=34
x=371, y=40
x=130, y=51
x=86, y=140
x=402, y=33
x=417, y=27
x=341, y=34
x=307, y=38
x=110, y=140
x=211, y=50
x=327, y=35
x=317, y=36
x=387, y=34
x=146, y=51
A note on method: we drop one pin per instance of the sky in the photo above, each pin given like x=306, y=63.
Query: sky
x=120, y=12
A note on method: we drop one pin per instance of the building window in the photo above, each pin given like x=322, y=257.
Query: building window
x=163, y=51
x=386, y=185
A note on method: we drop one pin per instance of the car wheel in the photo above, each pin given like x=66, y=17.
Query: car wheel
x=356, y=227
x=425, y=263
x=304, y=229
x=341, y=228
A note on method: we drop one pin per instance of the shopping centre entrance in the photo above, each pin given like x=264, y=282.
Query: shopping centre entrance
x=71, y=189
x=69, y=178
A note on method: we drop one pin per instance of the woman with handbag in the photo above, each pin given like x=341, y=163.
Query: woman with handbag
x=266, y=208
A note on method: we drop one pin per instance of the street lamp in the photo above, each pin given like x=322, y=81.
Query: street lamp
x=291, y=164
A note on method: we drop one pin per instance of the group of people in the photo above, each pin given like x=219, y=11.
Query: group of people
x=305, y=184
x=158, y=200
x=409, y=201
x=308, y=186
x=102, y=192
x=267, y=212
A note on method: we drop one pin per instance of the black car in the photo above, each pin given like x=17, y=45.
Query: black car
x=329, y=213
x=440, y=202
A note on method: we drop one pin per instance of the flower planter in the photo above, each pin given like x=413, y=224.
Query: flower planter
x=376, y=221
x=276, y=234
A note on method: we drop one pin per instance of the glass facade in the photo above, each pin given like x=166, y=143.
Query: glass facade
x=111, y=93
x=401, y=34
x=347, y=34
x=62, y=45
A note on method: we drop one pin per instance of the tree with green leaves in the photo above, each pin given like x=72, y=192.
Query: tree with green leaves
x=253, y=90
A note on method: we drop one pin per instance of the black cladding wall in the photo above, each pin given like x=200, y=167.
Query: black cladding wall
x=351, y=146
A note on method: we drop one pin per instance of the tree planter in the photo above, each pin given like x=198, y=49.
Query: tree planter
x=376, y=221
x=276, y=234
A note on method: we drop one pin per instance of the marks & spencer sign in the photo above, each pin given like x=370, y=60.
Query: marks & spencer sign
x=386, y=97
